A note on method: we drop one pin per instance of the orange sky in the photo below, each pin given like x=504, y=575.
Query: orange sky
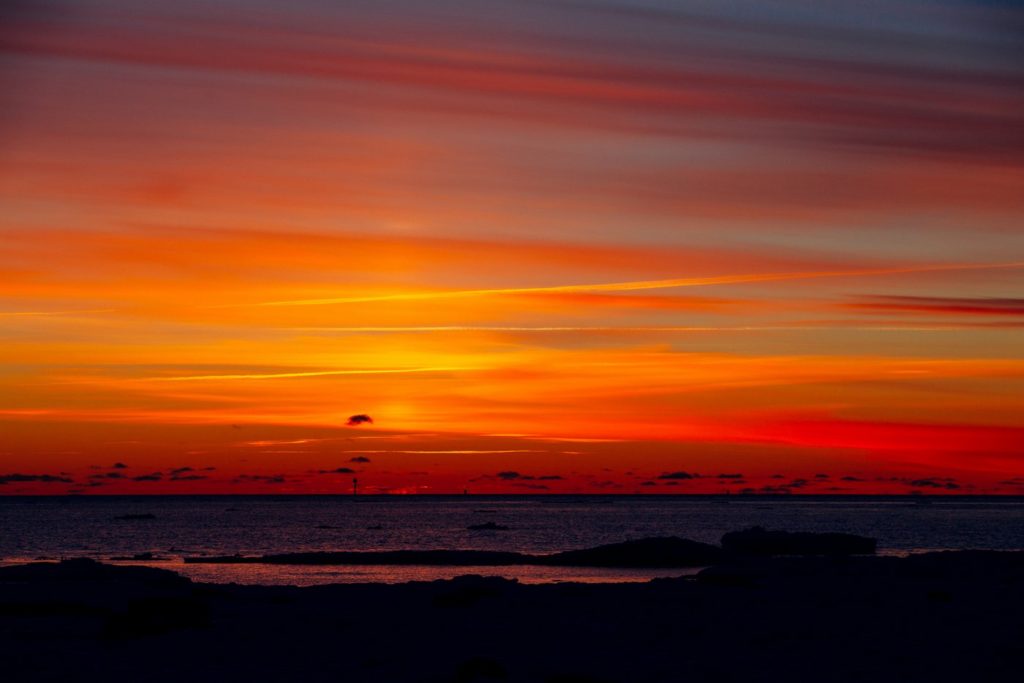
x=549, y=248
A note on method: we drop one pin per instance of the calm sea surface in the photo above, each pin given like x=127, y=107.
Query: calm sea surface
x=50, y=528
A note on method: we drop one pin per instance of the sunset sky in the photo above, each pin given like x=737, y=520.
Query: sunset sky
x=548, y=245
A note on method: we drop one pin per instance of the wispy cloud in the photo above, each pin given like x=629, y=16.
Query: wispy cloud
x=311, y=373
x=648, y=284
x=994, y=306
x=18, y=478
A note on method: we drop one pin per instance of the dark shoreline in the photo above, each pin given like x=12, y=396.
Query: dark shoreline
x=945, y=616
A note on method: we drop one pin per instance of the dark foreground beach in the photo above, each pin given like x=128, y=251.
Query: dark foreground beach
x=951, y=616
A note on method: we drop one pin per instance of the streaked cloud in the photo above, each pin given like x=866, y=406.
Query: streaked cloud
x=994, y=306
x=650, y=284
x=313, y=373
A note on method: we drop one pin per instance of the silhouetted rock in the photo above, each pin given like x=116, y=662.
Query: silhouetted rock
x=145, y=515
x=464, y=591
x=825, y=572
x=88, y=570
x=733, y=576
x=487, y=526
x=574, y=678
x=965, y=565
x=759, y=541
x=647, y=552
x=48, y=609
x=480, y=668
x=844, y=619
x=157, y=615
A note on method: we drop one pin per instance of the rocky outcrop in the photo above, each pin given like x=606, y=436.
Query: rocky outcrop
x=759, y=541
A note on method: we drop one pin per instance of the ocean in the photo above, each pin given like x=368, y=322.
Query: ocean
x=173, y=527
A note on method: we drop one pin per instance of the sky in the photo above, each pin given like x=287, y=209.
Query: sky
x=549, y=246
